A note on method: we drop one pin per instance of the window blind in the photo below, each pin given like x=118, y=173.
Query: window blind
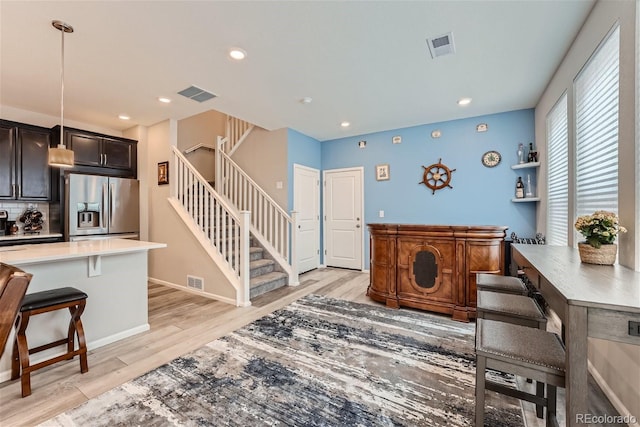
x=558, y=174
x=596, y=92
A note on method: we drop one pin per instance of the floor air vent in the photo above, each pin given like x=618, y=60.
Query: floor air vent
x=197, y=94
x=441, y=45
x=194, y=282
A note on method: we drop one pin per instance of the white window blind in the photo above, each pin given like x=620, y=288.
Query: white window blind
x=558, y=174
x=596, y=92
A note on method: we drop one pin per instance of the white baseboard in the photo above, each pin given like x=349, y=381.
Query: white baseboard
x=613, y=398
x=91, y=345
x=220, y=298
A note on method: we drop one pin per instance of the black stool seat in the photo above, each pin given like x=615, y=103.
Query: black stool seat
x=43, y=299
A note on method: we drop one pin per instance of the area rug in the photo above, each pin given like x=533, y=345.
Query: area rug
x=317, y=362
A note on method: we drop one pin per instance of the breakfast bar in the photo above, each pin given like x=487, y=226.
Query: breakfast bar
x=112, y=272
x=591, y=300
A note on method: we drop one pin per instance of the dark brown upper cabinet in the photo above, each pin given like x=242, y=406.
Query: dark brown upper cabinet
x=99, y=153
x=24, y=170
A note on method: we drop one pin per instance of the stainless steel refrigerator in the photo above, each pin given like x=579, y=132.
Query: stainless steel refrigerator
x=100, y=207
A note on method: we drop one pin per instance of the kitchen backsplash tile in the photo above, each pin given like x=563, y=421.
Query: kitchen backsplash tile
x=15, y=209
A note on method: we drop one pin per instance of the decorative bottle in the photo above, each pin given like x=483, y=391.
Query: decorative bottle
x=533, y=154
x=529, y=192
x=520, y=153
x=519, y=188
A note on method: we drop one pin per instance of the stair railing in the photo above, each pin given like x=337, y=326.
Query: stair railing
x=237, y=131
x=271, y=225
x=221, y=229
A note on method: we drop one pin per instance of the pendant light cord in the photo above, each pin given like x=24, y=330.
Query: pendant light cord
x=62, y=31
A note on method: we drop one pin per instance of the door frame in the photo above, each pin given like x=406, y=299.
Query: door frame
x=360, y=170
x=297, y=166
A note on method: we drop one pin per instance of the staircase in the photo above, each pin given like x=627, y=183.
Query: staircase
x=249, y=237
x=263, y=274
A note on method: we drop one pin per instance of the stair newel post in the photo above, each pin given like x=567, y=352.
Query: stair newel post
x=218, y=172
x=245, y=275
x=173, y=174
x=295, y=232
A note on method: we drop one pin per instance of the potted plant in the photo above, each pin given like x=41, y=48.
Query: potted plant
x=600, y=230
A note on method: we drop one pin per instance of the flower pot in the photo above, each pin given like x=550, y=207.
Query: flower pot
x=604, y=255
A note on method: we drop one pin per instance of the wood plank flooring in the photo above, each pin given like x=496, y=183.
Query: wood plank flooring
x=180, y=322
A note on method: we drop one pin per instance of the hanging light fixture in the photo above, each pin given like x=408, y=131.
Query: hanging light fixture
x=61, y=157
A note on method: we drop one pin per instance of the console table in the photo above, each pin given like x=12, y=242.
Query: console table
x=433, y=267
x=591, y=300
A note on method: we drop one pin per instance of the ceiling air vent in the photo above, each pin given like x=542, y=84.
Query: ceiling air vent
x=441, y=45
x=197, y=94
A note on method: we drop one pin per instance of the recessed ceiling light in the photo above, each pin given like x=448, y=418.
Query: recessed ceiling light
x=345, y=124
x=237, y=53
x=464, y=101
x=164, y=100
x=124, y=117
x=306, y=100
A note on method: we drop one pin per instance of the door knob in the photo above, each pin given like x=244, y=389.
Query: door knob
x=357, y=225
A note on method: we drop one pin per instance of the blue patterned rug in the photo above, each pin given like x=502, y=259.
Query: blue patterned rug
x=317, y=362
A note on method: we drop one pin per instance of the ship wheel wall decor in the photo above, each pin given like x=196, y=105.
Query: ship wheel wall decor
x=437, y=176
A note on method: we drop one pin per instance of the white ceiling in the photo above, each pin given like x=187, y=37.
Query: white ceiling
x=362, y=61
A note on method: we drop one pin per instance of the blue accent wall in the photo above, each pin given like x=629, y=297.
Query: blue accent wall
x=302, y=150
x=480, y=195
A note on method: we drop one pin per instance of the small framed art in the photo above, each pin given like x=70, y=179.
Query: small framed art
x=163, y=173
x=382, y=172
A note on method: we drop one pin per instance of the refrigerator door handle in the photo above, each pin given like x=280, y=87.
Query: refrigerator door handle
x=111, y=190
x=103, y=220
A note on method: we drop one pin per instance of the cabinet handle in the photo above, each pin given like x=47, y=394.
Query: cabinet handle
x=13, y=191
x=105, y=159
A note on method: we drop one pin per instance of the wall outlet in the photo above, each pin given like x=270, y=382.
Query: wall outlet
x=381, y=214
x=195, y=282
x=279, y=185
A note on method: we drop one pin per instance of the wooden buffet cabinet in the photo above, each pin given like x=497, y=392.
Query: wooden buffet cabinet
x=433, y=267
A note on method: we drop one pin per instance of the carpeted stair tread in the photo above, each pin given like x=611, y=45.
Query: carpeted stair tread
x=265, y=278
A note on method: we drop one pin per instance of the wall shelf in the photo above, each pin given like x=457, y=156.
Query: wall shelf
x=526, y=165
x=526, y=199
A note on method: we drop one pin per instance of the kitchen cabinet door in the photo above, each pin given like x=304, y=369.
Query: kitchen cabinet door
x=7, y=156
x=87, y=149
x=33, y=173
x=117, y=154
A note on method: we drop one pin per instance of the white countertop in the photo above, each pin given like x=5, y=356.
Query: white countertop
x=47, y=252
x=14, y=237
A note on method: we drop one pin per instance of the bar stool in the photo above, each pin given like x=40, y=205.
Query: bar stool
x=523, y=351
x=515, y=309
x=44, y=302
x=498, y=283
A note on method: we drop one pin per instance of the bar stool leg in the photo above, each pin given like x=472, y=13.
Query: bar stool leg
x=75, y=327
x=20, y=357
x=551, y=406
x=481, y=366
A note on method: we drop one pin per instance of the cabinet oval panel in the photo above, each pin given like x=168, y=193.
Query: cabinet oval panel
x=425, y=269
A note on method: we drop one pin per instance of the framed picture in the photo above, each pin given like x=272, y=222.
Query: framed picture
x=163, y=173
x=382, y=172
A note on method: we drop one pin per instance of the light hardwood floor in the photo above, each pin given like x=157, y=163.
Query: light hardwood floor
x=180, y=322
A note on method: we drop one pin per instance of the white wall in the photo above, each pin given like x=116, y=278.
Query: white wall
x=264, y=156
x=617, y=364
x=202, y=128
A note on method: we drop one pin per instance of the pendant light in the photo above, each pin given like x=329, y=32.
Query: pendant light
x=61, y=157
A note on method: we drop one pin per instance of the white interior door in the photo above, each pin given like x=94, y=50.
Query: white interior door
x=343, y=214
x=306, y=202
